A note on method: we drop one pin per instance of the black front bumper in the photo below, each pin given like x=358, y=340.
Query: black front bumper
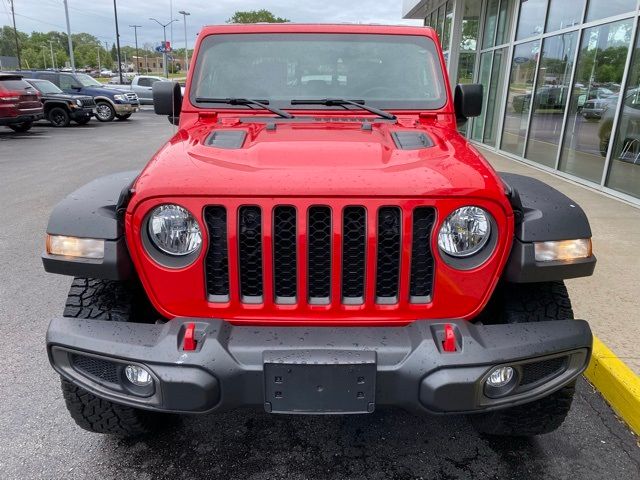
x=81, y=113
x=232, y=365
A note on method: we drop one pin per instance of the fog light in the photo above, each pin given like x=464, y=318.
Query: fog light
x=500, y=377
x=138, y=375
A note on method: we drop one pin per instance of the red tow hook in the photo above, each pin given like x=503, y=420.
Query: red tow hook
x=189, y=343
x=449, y=342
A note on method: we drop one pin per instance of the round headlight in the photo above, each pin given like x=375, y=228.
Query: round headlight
x=174, y=230
x=78, y=102
x=464, y=232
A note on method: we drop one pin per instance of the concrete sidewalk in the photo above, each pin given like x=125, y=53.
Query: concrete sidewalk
x=610, y=299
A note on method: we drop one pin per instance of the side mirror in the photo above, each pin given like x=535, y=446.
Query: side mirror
x=467, y=101
x=167, y=100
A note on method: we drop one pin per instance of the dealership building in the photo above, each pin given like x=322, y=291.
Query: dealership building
x=561, y=82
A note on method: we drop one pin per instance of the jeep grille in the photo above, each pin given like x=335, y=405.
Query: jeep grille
x=277, y=249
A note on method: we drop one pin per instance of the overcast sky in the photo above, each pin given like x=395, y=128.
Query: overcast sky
x=96, y=16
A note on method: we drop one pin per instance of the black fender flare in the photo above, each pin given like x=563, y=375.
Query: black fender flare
x=543, y=214
x=95, y=210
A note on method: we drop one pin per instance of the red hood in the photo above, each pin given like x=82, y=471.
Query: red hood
x=318, y=158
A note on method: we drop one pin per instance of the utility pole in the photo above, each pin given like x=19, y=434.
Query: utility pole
x=135, y=32
x=186, y=52
x=15, y=32
x=44, y=56
x=53, y=61
x=72, y=60
x=99, y=66
x=115, y=13
x=164, y=45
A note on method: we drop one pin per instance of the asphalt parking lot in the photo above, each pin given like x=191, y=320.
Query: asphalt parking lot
x=39, y=440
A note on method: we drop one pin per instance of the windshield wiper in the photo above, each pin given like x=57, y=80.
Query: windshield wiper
x=246, y=101
x=341, y=102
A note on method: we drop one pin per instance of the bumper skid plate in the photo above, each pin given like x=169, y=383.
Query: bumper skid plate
x=318, y=370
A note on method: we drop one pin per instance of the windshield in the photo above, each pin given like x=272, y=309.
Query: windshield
x=387, y=71
x=45, y=86
x=87, y=81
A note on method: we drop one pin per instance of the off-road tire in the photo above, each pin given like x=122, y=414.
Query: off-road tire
x=523, y=303
x=95, y=299
x=102, y=416
x=21, y=127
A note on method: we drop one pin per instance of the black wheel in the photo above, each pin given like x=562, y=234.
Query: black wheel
x=59, y=117
x=95, y=299
x=522, y=303
x=105, y=111
x=123, y=117
x=82, y=121
x=21, y=127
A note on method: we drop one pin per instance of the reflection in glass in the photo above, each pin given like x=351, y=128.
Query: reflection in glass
x=493, y=99
x=607, y=8
x=490, y=22
x=596, y=88
x=470, y=24
x=563, y=14
x=523, y=69
x=531, y=19
x=447, y=26
x=552, y=91
x=465, y=67
x=503, y=16
x=441, y=15
x=485, y=72
x=624, y=170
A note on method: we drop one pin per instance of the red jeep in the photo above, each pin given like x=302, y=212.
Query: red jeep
x=20, y=103
x=317, y=238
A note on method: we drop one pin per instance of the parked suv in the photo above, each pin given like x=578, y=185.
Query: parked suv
x=110, y=103
x=324, y=246
x=19, y=103
x=60, y=108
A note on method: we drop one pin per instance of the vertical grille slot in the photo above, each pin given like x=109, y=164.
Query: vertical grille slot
x=250, y=254
x=284, y=254
x=421, y=283
x=319, y=255
x=217, y=261
x=353, y=255
x=388, y=261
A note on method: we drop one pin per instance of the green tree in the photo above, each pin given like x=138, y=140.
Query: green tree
x=255, y=16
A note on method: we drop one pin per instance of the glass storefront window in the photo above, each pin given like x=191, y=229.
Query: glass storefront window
x=448, y=19
x=441, y=15
x=598, y=9
x=624, y=170
x=490, y=23
x=503, y=26
x=531, y=19
x=551, y=94
x=494, y=97
x=516, y=118
x=485, y=73
x=594, y=99
x=563, y=14
x=465, y=67
x=470, y=25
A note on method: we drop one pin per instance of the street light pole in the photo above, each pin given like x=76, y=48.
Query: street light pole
x=99, y=65
x=164, y=45
x=53, y=62
x=135, y=32
x=71, y=59
x=15, y=32
x=115, y=14
x=186, y=52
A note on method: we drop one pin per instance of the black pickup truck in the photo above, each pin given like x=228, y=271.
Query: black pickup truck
x=60, y=108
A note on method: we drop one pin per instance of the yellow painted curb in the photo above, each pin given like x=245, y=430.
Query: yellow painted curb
x=617, y=383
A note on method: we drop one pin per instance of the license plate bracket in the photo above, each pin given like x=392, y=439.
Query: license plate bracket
x=320, y=388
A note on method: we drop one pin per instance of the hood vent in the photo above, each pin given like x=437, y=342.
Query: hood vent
x=229, y=139
x=411, y=140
